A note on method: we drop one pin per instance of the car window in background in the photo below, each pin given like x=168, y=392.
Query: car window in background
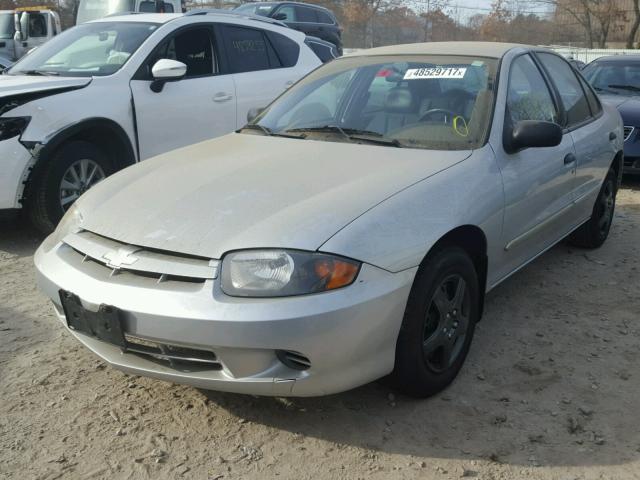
x=619, y=77
x=287, y=51
x=249, y=50
x=594, y=103
x=90, y=49
x=305, y=14
x=288, y=12
x=396, y=100
x=193, y=47
x=324, y=17
x=7, y=25
x=566, y=81
x=528, y=97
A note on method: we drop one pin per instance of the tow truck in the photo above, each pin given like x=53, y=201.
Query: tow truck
x=24, y=29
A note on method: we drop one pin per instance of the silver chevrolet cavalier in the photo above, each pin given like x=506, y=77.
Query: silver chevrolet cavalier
x=349, y=232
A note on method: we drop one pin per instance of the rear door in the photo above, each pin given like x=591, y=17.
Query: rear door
x=538, y=182
x=200, y=106
x=262, y=64
x=586, y=122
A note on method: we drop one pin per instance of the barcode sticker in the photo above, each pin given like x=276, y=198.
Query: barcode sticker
x=435, y=72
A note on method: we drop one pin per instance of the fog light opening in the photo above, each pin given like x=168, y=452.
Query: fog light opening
x=293, y=360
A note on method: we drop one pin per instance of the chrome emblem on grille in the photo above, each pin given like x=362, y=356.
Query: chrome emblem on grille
x=123, y=257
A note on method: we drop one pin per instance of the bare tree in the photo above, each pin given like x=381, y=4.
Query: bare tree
x=636, y=24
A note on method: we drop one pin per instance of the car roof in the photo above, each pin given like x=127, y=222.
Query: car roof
x=618, y=58
x=140, y=17
x=481, y=49
x=286, y=2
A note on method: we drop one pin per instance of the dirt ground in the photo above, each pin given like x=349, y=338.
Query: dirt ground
x=550, y=390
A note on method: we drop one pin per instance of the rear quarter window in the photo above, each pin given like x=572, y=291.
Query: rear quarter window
x=286, y=49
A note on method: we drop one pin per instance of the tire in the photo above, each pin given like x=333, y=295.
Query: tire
x=45, y=193
x=420, y=368
x=595, y=231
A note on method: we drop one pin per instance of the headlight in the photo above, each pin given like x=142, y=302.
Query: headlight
x=12, y=126
x=70, y=223
x=281, y=273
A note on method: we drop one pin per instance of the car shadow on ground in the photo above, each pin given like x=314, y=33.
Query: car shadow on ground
x=17, y=237
x=632, y=182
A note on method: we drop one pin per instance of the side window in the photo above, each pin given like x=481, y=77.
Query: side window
x=249, y=50
x=306, y=14
x=594, y=103
x=192, y=47
x=149, y=6
x=286, y=49
x=288, y=12
x=322, y=51
x=528, y=97
x=324, y=17
x=573, y=98
x=37, y=25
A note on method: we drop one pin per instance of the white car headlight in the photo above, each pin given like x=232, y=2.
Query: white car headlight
x=281, y=273
x=70, y=223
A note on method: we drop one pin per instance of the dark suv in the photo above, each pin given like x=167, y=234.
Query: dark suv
x=313, y=20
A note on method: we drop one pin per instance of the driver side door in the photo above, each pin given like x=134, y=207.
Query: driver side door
x=200, y=106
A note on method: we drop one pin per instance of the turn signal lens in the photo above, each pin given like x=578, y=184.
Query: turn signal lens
x=336, y=273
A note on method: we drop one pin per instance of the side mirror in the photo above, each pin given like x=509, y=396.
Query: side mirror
x=280, y=16
x=532, y=134
x=165, y=70
x=253, y=113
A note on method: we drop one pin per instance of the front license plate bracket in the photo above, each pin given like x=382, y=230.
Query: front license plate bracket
x=105, y=324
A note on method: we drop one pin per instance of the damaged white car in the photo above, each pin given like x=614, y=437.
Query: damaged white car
x=349, y=233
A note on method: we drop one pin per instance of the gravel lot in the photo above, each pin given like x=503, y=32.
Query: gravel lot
x=550, y=390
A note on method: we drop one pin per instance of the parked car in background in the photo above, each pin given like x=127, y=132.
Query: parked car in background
x=577, y=64
x=26, y=28
x=617, y=81
x=94, y=9
x=313, y=20
x=326, y=51
x=106, y=94
x=349, y=233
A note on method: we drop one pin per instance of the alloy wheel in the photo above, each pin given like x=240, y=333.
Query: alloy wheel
x=77, y=179
x=447, y=323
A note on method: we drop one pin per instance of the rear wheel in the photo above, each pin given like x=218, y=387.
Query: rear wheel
x=438, y=325
x=72, y=170
x=595, y=231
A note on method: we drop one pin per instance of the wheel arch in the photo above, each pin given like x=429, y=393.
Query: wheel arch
x=103, y=132
x=472, y=240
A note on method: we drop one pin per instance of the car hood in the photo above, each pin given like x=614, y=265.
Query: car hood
x=249, y=191
x=17, y=84
x=629, y=107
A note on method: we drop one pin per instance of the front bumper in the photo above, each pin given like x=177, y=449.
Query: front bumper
x=15, y=159
x=349, y=335
x=631, y=165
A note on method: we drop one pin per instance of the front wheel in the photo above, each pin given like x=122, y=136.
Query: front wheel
x=595, y=231
x=72, y=170
x=438, y=325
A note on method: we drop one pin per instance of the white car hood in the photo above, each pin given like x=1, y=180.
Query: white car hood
x=248, y=191
x=11, y=85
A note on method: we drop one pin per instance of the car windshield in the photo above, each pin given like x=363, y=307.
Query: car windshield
x=432, y=102
x=94, y=9
x=619, y=77
x=7, y=25
x=91, y=49
x=256, y=8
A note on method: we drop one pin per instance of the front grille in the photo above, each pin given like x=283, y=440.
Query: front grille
x=627, y=132
x=117, y=257
x=175, y=356
x=293, y=360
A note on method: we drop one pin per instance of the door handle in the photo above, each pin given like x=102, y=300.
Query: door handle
x=569, y=158
x=222, y=97
x=612, y=136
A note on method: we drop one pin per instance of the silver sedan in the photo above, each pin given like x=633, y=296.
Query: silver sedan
x=349, y=232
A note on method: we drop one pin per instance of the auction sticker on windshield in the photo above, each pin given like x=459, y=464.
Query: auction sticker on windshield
x=435, y=72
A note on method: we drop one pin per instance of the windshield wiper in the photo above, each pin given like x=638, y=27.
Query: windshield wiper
x=353, y=134
x=267, y=131
x=44, y=73
x=631, y=88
